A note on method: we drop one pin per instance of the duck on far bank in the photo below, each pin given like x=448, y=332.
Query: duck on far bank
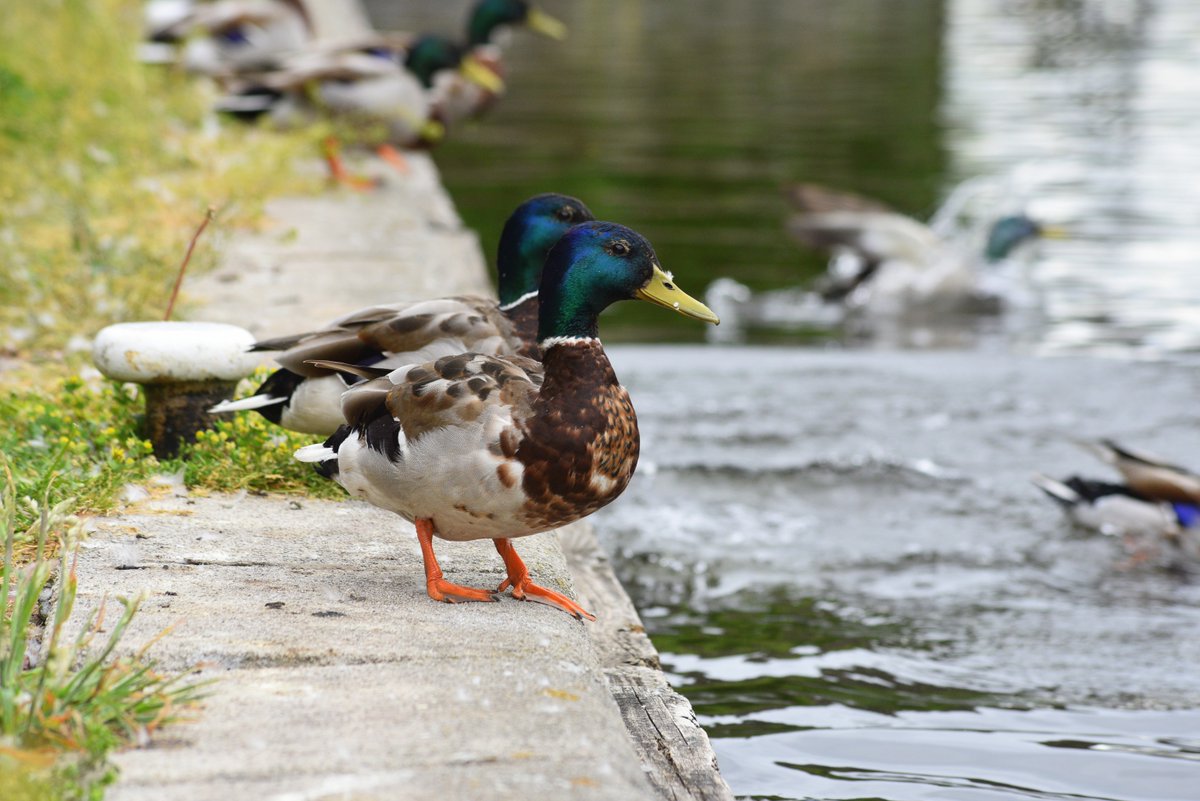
x=307, y=398
x=376, y=92
x=473, y=446
x=489, y=24
x=223, y=38
x=887, y=262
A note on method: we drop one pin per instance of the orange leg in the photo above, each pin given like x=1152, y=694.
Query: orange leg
x=439, y=589
x=518, y=579
x=337, y=170
x=394, y=157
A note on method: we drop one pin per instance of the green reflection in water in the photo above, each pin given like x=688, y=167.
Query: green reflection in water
x=771, y=625
x=683, y=118
x=775, y=627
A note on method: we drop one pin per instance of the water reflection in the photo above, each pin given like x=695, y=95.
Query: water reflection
x=1090, y=108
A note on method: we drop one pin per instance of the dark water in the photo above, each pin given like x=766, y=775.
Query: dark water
x=839, y=554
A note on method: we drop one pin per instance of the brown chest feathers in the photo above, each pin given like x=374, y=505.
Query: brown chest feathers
x=524, y=319
x=581, y=443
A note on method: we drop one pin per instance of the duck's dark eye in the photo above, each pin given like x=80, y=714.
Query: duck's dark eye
x=619, y=248
x=233, y=35
x=566, y=213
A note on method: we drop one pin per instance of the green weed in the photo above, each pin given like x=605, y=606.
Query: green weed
x=67, y=700
x=86, y=434
x=106, y=167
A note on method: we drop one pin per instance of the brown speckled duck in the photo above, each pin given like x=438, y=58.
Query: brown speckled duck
x=475, y=446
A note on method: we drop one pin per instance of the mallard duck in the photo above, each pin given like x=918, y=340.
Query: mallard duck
x=885, y=261
x=488, y=22
x=1117, y=509
x=1147, y=475
x=303, y=397
x=226, y=37
x=473, y=446
x=375, y=90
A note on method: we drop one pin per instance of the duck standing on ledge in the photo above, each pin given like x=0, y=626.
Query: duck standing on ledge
x=475, y=446
x=304, y=397
x=489, y=22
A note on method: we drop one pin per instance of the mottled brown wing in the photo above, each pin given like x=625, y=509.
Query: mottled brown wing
x=456, y=390
x=817, y=199
x=472, y=323
x=472, y=320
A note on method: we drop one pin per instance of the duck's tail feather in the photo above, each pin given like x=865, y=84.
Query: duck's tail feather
x=1057, y=490
x=361, y=370
x=245, y=404
x=269, y=399
x=324, y=457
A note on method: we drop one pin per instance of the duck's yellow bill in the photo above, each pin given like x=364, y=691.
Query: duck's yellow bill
x=546, y=25
x=432, y=131
x=662, y=290
x=1053, y=232
x=478, y=73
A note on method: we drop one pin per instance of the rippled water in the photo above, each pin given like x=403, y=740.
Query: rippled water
x=848, y=572
x=839, y=553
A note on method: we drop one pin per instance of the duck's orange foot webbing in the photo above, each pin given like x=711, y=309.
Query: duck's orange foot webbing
x=438, y=588
x=338, y=171
x=394, y=157
x=523, y=589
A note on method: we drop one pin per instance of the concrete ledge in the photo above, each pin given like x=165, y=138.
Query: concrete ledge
x=336, y=672
x=675, y=752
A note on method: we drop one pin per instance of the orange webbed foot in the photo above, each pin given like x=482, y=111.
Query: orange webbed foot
x=525, y=590
x=448, y=592
x=339, y=173
x=395, y=158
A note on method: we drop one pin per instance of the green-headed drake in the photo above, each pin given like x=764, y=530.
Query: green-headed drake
x=306, y=398
x=885, y=261
x=496, y=447
x=375, y=93
x=488, y=24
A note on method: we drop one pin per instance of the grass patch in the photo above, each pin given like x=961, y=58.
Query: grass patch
x=85, y=434
x=61, y=716
x=108, y=166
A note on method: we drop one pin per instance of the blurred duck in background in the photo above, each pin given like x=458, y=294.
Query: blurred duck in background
x=891, y=277
x=375, y=93
x=298, y=63
x=489, y=26
x=224, y=38
x=1158, y=503
x=888, y=263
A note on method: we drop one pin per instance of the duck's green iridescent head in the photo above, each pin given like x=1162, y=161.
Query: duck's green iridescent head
x=593, y=266
x=488, y=15
x=429, y=55
x=1009, y=232
x=528, y=235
